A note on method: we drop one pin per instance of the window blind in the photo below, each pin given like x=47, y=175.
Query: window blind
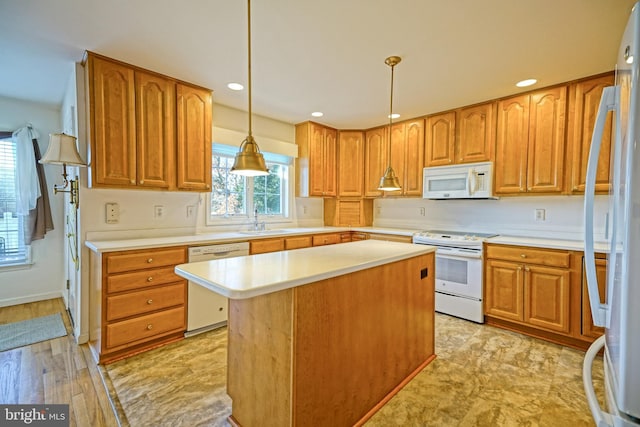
x=12, y=247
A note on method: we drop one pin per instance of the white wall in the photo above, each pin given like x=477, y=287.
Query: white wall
x=506, y=216
x=44, y=279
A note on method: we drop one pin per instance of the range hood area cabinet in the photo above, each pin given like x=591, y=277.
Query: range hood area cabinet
x=147, y=130
x=316, y=161
x=465, y=135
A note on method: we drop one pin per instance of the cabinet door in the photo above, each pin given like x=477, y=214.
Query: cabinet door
x=266, y=245
x=194, y=138
x=504, y=294
x=350, y=163
x=330, y=164
x=440, y=139
x=511, y=145
x=113, y=132
x=375, y=160
x=316, y=155
x=545, y=160
x=155, y=130
x=398, y=143
x=583, y=106
x=588, y=328
x=475, y=133
x=546, y=296
x=414, y=158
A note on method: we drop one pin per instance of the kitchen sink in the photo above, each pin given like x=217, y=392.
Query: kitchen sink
x=262, y=232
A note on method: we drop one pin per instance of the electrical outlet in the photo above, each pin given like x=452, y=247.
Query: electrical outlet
x=304, y=209
x=158, y=211
x=190, y=211
x=422, y=211
x=540, y=214
x=112, y=213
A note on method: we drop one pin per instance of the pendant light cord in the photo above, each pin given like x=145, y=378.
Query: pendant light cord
x=249, y=62
x=391, y=113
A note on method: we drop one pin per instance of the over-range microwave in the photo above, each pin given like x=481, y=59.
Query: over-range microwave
x=466, y=181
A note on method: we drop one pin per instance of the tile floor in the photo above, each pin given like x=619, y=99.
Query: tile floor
x=483, y=376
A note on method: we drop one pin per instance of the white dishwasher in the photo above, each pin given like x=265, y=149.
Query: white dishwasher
x=206, y=309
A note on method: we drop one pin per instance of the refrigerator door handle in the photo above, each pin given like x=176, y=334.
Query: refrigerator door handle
x=602, y=419
x=608, y=102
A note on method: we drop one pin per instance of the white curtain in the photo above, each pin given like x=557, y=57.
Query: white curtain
x=27, y=182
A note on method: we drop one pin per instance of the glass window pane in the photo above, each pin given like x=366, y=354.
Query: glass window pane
x=12, y=246
x=228, y=190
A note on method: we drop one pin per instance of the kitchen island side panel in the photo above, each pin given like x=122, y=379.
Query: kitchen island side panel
x=328, y=352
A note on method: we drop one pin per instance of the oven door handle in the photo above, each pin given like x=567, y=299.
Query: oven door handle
x=458, y=254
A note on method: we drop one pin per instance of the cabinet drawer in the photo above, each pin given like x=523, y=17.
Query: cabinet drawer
x=127, y=261
x=298, y=242
x=264, y=246
x=145, y=327
x=529, y=255
x=326, y=239
x=145, y=301
x=140, y=279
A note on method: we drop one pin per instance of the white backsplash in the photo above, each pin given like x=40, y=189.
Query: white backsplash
x=506, y=216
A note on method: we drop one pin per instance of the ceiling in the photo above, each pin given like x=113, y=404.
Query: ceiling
x=323, y=55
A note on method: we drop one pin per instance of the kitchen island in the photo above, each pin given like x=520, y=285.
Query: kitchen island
x=323, y=335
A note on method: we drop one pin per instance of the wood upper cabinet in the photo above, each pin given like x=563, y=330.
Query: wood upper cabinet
x=465, y=135
x=316, y=162
x=584, y=99
x=476, y=133
x=112, y=116
x=530, y=143
x=375, y=159
x=530, y=286
x=155, y=130
x=350, y=163
x=147, y=130
x=407, y=157
x=194, y=138
x=440, y=139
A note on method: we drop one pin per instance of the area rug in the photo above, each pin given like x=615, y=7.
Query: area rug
x=18, y=334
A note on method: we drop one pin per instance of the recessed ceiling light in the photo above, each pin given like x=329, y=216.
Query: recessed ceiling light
x=235, y=86
x=393, y=116
x=527, y=82
x=317, y=114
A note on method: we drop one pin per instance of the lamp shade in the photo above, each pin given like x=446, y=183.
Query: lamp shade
x=62, y=151
x=389, y=181
x=249, y=160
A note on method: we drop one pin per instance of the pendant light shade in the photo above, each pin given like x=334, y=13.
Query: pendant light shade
x=389, y=181
x=249, y=160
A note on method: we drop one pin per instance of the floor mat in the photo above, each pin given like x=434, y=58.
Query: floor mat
x=26, y=332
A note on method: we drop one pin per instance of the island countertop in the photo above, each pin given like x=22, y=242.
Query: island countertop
x=254, y=275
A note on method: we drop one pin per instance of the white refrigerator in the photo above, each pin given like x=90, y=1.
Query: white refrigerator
x=620, y=314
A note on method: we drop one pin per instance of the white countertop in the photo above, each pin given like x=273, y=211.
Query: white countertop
x=100, y=246
x=253, y=275
x=542, y=242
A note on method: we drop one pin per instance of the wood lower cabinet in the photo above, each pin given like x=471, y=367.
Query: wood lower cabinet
x=298, y=242
x=146, y=130
x=263, y=246
x=541, y=292
x=327, y=239
x=533, y=289
x=144, y=303
x=588, y=328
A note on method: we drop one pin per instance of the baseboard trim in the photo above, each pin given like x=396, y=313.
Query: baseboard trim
x=30, y=298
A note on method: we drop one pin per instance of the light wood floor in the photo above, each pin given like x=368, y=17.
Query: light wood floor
x=56, y=371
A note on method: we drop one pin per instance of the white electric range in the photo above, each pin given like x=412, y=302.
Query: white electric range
x=459, y=271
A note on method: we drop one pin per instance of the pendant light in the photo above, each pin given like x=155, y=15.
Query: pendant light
x=249, y=160
x=389, y=181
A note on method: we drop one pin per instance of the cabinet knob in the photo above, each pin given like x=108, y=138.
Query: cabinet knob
x=149, y=327
x=133, y=181
x=523, y=256
x=149, y=301
x=142, y=181
x=150, y=260
x=575, y=188
x=149, y=279
x=529, y=189
x=526, y=269
x=519, y=268
x=220, y=308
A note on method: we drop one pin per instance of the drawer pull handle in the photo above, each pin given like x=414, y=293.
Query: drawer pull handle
x=150, y=279
x=149, y=327
x=523, y=255
x=150, y=260
x=149, y=301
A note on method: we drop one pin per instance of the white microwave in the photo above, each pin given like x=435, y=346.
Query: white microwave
x=466, y=181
